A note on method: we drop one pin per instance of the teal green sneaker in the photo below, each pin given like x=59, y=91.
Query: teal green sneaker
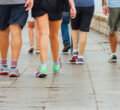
x=56, y=68
x=41, y=73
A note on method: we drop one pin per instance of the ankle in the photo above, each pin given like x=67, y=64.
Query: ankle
x=56, y=63
x=114, y=53
x=80, y=57
x=14, y=64
x=75, y=50
x=43, y=64
x=4, y=62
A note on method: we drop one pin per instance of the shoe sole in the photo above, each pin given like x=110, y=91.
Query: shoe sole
x=55, y=72
x=80, y=63
x=4, y=73
x=13, y=75
x=42, y=75
x=113, y=61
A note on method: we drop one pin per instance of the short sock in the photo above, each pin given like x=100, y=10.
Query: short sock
x=14, y=64
x=80, y=57
x=75, y=50
x=56, y=63
x=114, y=53
x=43, y=65
x=4, y=62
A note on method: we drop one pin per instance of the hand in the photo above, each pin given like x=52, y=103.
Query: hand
x=105, y=10
x=73, y=12
x=28, y=5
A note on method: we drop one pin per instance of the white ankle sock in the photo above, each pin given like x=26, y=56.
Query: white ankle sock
x=80, y=56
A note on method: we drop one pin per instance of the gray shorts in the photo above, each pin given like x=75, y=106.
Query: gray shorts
x=114, y=19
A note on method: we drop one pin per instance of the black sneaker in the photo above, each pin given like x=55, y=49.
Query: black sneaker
x=66, y=48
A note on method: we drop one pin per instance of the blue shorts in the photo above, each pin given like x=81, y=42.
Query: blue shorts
x=12, y=14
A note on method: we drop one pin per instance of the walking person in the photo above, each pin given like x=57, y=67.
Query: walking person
x=48, y=14
x=113, y=9
x=81, y=25
x=31, y=26
x=65, y=28
x=13, y=16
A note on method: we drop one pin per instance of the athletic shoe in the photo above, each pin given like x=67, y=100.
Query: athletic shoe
x=41, y=72
x=37, y=51
x=31, y=49
x=4, y=70
x=14, y=72
x=112, y=59
x=56, y=68
x=80, y=61
x=74, y=57
x=66, y=48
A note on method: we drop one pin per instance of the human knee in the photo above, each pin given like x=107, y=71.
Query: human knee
x=44, y=33
x=31, y=25
x=15, y=28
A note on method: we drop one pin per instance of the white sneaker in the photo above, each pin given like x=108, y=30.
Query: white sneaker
x=112, y=59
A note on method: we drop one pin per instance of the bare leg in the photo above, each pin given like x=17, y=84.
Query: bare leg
x=37, y=37
x=113, y=41
x=31, y=26
x=16, y=41
x=54, y=41
x=43, y=25
x=75, y=38
x=4, y=43
x=82, y=42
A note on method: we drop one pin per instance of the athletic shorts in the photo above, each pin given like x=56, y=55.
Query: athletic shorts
x=12, y=14
x=114, y=19
x=83, y=19
x=54, y=9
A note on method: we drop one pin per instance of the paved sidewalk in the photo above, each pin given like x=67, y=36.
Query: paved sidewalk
x=93, y=86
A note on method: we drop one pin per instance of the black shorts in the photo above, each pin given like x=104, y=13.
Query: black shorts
x=12, y=14
x=83, y=19
x=54, y=9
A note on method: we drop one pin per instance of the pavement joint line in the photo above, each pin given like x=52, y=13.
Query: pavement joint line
x=18, y=77
x=49, y=90
x=94, y=93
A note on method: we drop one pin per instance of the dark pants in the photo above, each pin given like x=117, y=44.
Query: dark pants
x=65, y=28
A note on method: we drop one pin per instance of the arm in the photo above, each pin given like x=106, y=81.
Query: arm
x=28, y=4
x=72, y=9
x=105, y=8
x=104, y=2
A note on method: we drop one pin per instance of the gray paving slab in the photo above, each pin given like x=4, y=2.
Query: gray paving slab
x=93, y=86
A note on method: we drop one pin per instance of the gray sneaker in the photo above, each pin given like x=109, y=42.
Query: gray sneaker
x=4, y=70
x=14, y=72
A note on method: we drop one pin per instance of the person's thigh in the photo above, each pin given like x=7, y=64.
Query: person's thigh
x=43, y=24
x=113, y=19
x=18, y=15
x=4, y=17
x=86, y=17
x=54, y=28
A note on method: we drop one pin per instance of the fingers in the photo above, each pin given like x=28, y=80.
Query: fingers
x=73, y=13
x=105, y=10
x=28, y=5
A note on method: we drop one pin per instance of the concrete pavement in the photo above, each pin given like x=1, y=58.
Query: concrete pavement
x=93, y=86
